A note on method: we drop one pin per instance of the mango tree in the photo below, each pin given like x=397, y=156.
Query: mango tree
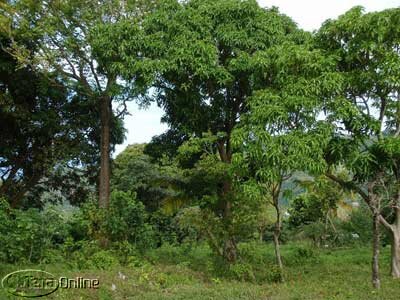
x=280, y=133
x=367, y=116
x=201, y=55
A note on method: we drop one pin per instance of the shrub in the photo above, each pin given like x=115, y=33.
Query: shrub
x=167, y=229
x=30, y=235
x=274, y=274
x=242, y=272
x=125, y=220
x=167, y=254
x=300, y=255
x=103, y=260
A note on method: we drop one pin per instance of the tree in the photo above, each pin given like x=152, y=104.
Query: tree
x=318, y=206
x=201, y=54
x=65, y=35
x=318, y=202
x=43, y=124
x=165, y=145
x=367, y=115
x=156, y=185
x=280, y=133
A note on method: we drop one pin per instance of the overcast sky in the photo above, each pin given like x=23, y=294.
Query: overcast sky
x=142, y=125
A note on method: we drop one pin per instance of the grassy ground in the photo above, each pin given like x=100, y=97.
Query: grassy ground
x=326, y=274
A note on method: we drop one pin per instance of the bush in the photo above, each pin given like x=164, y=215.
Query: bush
x=124, y=221
x=125, y=218
x=242, y=272
x=30, y=235
x=300, y=255
x=102, y=260
x=167, y=229
x=253, y=252
x=88, y=255
x=167, y=254
x=274, y=274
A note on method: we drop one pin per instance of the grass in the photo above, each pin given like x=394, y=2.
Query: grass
x=175, y=273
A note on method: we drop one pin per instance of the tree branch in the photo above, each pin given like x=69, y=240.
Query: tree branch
x=385, y=223
x=351, y=185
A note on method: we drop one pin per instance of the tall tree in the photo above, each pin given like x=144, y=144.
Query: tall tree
x=202, y=57
x=65, y=36
x=41, y=123
x=280, y=133
x=367, y=116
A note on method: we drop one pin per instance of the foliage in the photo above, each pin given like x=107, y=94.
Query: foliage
x=365, y=113
x=125, y=220
x=167, y=230
x=203, y=68
x=319, y=202
x=43, y=124
x=253, y=104
x=156, y=184
x=365, y=47
x=30, y=235
x=102, y=260
x=359, y=225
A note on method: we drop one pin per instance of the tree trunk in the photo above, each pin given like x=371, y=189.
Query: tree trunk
x=395, y=263
x=278, y=250
x=104, y=180
x=277, y=234
x=375, y=255
x=230, y=248
x=278, y=224
x=395, y=231
x=261, y=234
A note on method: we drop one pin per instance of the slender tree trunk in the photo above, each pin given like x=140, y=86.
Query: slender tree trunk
x=375, y=206
x=230, y=249
x=277, y=234
x=104, y=180
x=278, y=250
x=261, y=231
x=395, y=232
x=278, y=224
x=214, y=242
x=395, y=263
x=375, y=255
x=394, y=229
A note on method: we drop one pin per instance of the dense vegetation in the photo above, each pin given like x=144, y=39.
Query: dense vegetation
x=279, y=171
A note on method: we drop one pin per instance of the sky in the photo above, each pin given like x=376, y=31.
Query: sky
x=143, y=124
